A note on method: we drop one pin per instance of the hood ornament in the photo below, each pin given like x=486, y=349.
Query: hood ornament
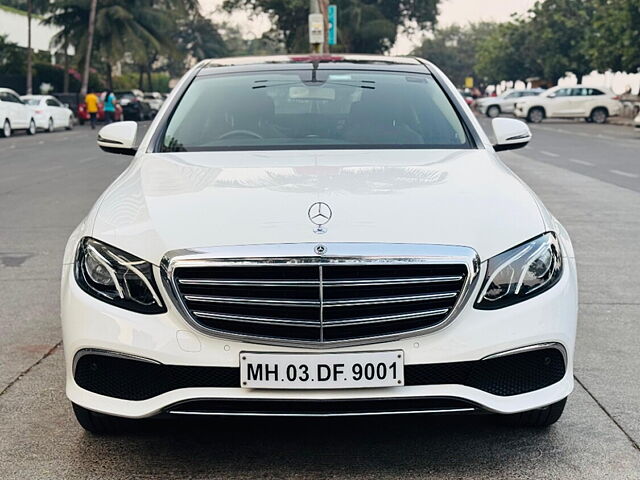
x=319, y=213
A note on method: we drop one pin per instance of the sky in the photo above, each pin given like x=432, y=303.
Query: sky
x=451, y=11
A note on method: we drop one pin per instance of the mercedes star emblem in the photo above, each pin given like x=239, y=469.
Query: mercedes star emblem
x=319, y=214
x=320, y=249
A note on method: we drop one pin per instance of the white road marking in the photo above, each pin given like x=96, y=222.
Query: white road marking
x=549, y=154
x=581, y=162
x=624, y=174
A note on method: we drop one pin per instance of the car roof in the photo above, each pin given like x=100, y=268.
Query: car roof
x=4, y=89
x=306, y=60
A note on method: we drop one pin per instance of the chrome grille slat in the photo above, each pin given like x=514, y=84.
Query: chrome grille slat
x=386, y=318
x=325, y=300
x=255, y=301
x=381, y=300
x=250, y=283
x=249, y=319
x=390, y=281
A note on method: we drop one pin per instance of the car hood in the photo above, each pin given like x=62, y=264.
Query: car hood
x=165, y=202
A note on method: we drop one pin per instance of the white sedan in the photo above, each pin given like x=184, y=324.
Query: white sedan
x=14, y=114
x=593, y=104
x=48, y=112
x=505, y=102
x=318, y=236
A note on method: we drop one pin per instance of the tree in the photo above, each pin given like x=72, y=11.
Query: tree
x=558, y=31
x=615, y=41
x=87, y=58
x=505, y=54
x=455, y=49
x=365, y=26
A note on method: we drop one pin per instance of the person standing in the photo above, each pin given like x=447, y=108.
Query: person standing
x=91, y=101
x=109, y=107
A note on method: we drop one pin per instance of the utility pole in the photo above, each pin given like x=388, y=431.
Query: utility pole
x=29, y=50
x=314, y=29
x=87, y=60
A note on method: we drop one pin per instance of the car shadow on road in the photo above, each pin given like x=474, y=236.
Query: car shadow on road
x=382, y=447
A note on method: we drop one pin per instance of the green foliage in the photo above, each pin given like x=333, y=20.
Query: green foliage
x=456, y=49
x=160, y=82
x=615, y=41
x=364, y=26
x=505, y=54
x=13, y=59
x=560, y=36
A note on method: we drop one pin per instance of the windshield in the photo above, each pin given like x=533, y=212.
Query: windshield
x=314, y=109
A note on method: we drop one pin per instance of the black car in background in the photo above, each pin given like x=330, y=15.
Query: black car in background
x=133, y=104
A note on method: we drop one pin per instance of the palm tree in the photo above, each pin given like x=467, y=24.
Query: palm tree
x=138, y=28
x=87, y=59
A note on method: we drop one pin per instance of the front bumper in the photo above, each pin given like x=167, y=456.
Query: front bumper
x=168, y=339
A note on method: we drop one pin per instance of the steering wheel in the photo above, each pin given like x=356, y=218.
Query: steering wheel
x=235, y=133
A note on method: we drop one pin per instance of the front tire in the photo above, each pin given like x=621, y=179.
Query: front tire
x=540, y=417
x=98, y=423
x=535, y=115
x=70, y=123
x=6, y=129
x=493, y=111
x=50, y=126
x=599, y=115
x=32, y=128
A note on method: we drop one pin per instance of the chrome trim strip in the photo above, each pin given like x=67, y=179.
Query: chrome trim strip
x=254, y=301
x=247, y=319
x=378, y=300
x=107, y=353
x=530, y=348
x=349, y=414
x=385, y=318
x=336, y=254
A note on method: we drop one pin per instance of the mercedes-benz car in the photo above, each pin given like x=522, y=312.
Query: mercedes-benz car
x=317, y=236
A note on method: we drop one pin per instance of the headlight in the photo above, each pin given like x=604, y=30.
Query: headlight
x=117, y=277
x=521, y=273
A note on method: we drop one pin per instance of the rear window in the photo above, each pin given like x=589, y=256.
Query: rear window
x=314, y=109
x=31, y=101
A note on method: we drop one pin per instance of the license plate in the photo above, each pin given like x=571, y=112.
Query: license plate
x=327, y=370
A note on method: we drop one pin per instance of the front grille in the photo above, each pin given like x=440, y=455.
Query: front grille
x=135, y=379
x=325, y=303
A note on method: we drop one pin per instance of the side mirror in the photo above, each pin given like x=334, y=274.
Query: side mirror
x=118, y=137
x=510, y=134
x=551, y=95
x=65, y=105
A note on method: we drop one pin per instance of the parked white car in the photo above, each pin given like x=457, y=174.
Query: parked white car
x=14, y=114
x=320, y=236
x=505, y=102
x=593, y=104
x=155, y=101
x=49, y=112
x=636, y=123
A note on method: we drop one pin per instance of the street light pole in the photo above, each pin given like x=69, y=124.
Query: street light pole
x=29, y=51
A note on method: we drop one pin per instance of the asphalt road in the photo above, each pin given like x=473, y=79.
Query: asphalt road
x=588, y=175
